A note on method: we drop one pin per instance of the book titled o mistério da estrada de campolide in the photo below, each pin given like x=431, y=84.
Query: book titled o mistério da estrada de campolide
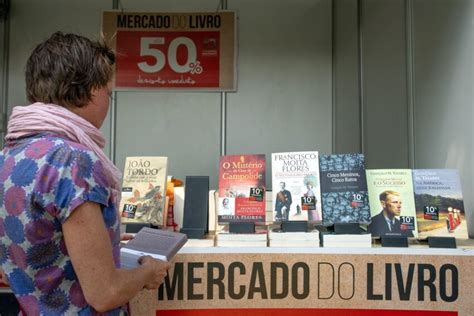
x=241, y=189
x=144, y=190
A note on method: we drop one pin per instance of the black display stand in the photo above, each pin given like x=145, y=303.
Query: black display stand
x=442, y=242
x=242, y=227
x=294, y=226
x=195, y=214
x=133, y=228
x=347, y=228
x=395, y=241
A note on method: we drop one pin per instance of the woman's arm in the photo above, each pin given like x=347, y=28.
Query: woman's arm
x=88, y=244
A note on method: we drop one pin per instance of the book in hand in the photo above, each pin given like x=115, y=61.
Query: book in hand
x=392, y=203
x=344, y=189
x=144, y=190
x=241, y=189
x=439, y=203
x=296, y=188
x=157, y=243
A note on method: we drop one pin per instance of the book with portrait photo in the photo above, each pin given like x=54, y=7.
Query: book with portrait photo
x=241, y=189
x=439, y=203
x=392, y=203
x=344, y=189
x=144, y=190
x=296, y=187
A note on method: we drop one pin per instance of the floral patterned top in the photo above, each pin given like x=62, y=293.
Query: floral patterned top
x=43, y=178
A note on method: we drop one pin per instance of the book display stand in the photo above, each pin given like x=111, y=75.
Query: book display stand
x=195, y=214
x=294, y=226
x=347, y=228
x=442, y=242
x=242, y=227
x=394, y=241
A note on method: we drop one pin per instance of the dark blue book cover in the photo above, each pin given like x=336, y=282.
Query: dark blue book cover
x=344, y=189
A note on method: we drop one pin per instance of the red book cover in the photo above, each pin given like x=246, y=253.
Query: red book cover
x=241, y=189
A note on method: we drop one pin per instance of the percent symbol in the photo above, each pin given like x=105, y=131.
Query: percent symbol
x=196, y=68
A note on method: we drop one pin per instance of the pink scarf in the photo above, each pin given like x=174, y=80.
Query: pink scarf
x=40, y=117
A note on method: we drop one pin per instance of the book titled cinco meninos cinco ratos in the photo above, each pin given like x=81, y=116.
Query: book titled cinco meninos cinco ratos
x=344, y=189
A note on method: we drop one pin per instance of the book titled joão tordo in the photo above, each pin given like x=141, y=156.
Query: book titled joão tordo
x=439, y=203
x=144, y=190
x=392, y=203
x=296, y=187
x=241, y=189
x=344, y=189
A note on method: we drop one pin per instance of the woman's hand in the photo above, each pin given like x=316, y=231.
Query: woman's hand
x=158, y=270
x=126, y=237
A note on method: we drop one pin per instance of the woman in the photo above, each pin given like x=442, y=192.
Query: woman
x=59, y=223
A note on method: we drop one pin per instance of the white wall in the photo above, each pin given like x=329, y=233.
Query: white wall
x=444, y=81
x=283, y=101
x=33, y=21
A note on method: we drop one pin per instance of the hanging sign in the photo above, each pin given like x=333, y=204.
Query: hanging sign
x=191, y=51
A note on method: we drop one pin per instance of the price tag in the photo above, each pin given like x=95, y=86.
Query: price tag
x=431, y=213
x=257, y=194
x=129, y=210
x=407, y=223
x=357, y=200
x=168, y=59
x=308, y=203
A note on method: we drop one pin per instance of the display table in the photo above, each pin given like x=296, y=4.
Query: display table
x=317, y=281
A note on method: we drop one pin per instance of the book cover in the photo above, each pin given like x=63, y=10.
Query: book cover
x=241, y=189
x=157, y=243
x=295, y=186
x=439, y=203
x=344, y=189
x=144, y=190
x=392, y=203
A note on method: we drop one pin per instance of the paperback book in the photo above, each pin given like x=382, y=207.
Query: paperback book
x=392, y=203
x=144, y=190
x=344, y=189
x=296, y=187
x=277, y=238
x=241, y=189
x=439, y=203
x=157, y=243
x=346, y=241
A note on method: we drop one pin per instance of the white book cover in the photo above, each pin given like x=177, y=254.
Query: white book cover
x=296, y=187
x=178, y=206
